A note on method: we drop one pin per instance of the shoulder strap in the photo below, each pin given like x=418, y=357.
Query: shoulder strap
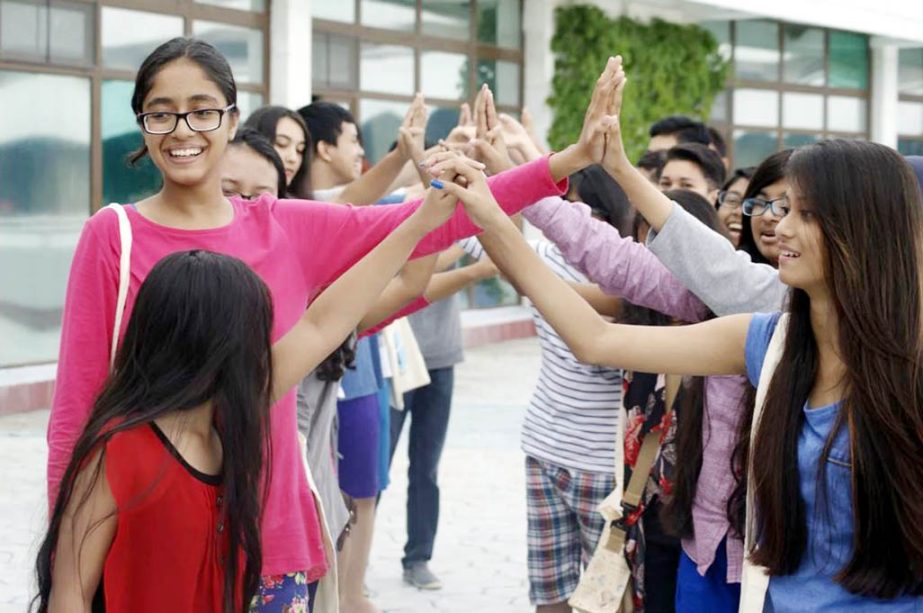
x=650, y=447
x=124, y=276
x=755, y=580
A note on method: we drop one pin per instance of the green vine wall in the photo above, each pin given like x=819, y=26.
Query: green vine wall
x=672, y=69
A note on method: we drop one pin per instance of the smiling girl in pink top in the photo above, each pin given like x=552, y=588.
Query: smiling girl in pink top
x=185, y=98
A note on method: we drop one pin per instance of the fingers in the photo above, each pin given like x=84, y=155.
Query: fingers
x=480, y=111
x=471, y=171
x=526, y=121
x=617, y=95
x=464, y=116
x=491, y=111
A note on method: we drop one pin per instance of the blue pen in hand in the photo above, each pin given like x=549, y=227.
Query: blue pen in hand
x=436, y=183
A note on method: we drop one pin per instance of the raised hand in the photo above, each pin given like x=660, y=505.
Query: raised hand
x=462, y=133
x=529, y=126
x=488, y=145
x=412, y=132
x=470, y=186
x=518, y=141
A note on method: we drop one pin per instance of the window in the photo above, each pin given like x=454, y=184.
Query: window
x=68, y=128
x=910, y=105
x=790, y=85
x=371, y=56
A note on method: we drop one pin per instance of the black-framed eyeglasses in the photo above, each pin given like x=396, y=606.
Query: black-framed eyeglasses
x=730, y=200
x=754, y=207
x=199, y=120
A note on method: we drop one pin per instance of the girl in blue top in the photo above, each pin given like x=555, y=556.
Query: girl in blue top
x=839, y=450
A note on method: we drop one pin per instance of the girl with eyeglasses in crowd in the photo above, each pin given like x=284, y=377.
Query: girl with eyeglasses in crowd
x=730, y=199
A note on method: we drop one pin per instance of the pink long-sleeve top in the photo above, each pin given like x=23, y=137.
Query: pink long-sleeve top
x=297, y=248
x=622, y=267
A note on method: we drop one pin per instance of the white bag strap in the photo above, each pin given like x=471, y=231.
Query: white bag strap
x=755, y=579
x=124, y=276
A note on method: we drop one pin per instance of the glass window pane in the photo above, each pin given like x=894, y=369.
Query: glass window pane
x=803, y=55
x=503, y=79
x=441, y=121
x=380, y=121
x=804, y=111
x=391, y=14
x=908, y=146
x=386, y=68
x=122, y=136
x=44, y=200
x=910, y=118
x=910, y=75
x=791, y=141
x=444, y=75
x=446, y=18
x=756, y=56
x=334, y=11
x=243, y=48
x=849, y=60
x=320, y=72
x=845, y=114
x=756, y=107
x=721, y=30
x=241, y=5
x=129, y=36
x=719, y=108
x=247, y=102
x=341, y=54
x=752, y=147
x=23, y=29
x=71, y=25
x=499, y=23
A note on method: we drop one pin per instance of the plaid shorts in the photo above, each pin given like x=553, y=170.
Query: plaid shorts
x=564, y=526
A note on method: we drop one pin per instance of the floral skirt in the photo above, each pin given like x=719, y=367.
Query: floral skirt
x=289, y=593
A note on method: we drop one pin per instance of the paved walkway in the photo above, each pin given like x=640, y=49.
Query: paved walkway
x=480, y=552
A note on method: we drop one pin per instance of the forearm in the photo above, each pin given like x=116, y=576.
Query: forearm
x=565, y=163
x=650, y=201
x=448, y=258
x=410, y=282
x=602, y=303
x=444, y=284
x=373, y=184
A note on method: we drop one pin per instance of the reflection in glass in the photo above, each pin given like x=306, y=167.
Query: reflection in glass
x=499, y=23
x=247, y=102
x=245, y=5
x=849, y=60
x=845, y=114
x=446, y=18
x=121, y=137
x=129, y=36
x=243, y=48
x=910, y=118
x=719, y=108
x=803, y=55
x=334, y=10
x=721, y=30
x=386, y=68
x=503, y=79
x=910, y=74
x=390, y=14
x=63, y=34
x=334, y=60
x=756, y=107
x=444, y=75
x=909, y=146
x=791, y=141
x=752, y=147
x=803, y=111
x=440, y=123
x=380, y=121
x=756, y=56
x=44, y=200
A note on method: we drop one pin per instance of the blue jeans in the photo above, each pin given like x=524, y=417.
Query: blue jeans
x=428, y=408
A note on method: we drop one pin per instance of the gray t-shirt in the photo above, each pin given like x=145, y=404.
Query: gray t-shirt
x=437, y=329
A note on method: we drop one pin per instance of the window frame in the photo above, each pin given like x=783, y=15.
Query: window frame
x=916, y=98
x=190, y=11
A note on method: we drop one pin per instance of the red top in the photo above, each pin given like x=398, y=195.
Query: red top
x=170, y=542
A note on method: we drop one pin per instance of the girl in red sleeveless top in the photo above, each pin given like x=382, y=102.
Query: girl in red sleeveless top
x=159, y=507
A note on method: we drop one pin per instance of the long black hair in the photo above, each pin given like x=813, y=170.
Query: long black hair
x=259, y=144
x=199, y=332
x=206, y=56
x=265, y=120
x=770, y=170
x=869, y=211
x=597, y=189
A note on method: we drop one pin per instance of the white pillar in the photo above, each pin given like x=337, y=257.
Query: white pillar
x=290, y=52
x=883, y=93
x=537, y=29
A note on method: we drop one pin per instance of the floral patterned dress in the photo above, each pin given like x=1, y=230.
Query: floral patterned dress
x=644, y=402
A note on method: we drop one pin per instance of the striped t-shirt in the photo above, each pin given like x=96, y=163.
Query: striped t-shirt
x=573, y=416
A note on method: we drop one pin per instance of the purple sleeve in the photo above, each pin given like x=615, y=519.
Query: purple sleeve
x=619, y=265
x=332, y=237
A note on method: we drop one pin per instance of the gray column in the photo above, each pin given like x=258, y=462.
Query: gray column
x=290, y=53
x=883, y=93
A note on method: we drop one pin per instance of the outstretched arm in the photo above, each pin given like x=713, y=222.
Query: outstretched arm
x=711, y=348
x=409, y=283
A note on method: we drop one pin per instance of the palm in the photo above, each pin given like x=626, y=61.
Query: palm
x=600, y=141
